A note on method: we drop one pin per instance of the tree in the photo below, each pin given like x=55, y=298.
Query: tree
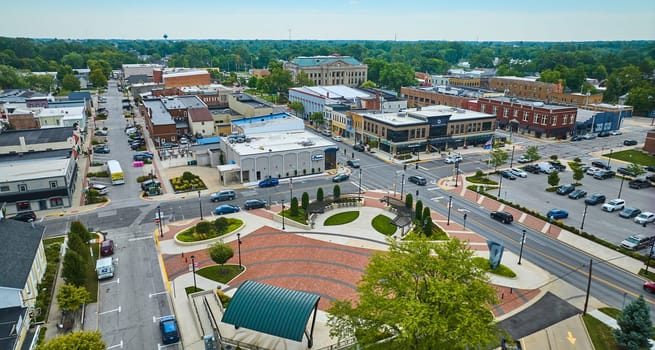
x=498, y=158
x=397, y=75
x=409, y=200
x=319, y=194
x=220, y=252
x=336, y=192
x=636, y=169
x=369, y=84
x=42, y=82
x=221, y=225
x=77, y=228
x=427, y=295
x=71, y=297
x=70, y=83
x=302, y=79
x=304, y=201
x=97, y=78
x=297, y=107
x=532, y=153
x=74, y=270
x=553, y=178
x=203, y=227
x=87, y=340
x=317, y=118
x=293, y=208
x=76, y=245
x=418, y=210
x=578, y=173
x=635, y=325
x=427, y=222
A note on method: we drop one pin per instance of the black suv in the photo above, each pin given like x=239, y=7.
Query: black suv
x=630, y=142
x=254, y=204
x=565, y=189
x=532, y=169
x=502, y=216
x=639, y=183
x=557, y=165
x=25, y=216
x=595, y=198
x=600, y=164
x=604, y=174
x=419, y=180
x=359, y=147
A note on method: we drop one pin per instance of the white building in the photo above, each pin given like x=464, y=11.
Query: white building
x=62, y=117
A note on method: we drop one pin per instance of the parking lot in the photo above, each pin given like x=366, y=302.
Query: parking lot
x=531, y=192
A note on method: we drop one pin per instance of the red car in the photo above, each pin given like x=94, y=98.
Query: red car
x=107, y=247
x=649, y=287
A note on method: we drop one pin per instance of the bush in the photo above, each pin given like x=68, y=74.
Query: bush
x=319, y=194
x=203, y=227
x=98, y=174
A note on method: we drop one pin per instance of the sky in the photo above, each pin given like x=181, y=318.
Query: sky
x=408, y=20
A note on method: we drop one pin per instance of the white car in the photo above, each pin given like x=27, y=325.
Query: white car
x=518, y=172
x=593, y=171
x=336, y=138
x=645, y=218
x=453, y=159
x=616, y=132
x=613, y=205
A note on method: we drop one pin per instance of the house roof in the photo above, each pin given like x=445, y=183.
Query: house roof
x=35, y=136
x=200, y=115
x=20, y=243
x=9, y=318
x=272, y=310
x=320, y=60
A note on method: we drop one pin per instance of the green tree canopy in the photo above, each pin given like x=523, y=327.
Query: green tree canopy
x=293, y=207
x=396, y=75
x=317, y=118
x=70, y=83
x=532, y=153
x=304, y=202
x=498, y=157
x=297, y=107
x=98, y=78
x=80, y=340
x=553, y=178
x=418, y=210
x=74, y=270
x=71, y=297
x=221, y=225
x=635, y=325
x=428, y=295
x=336, y=191
x=220, y=252
x=319, y=194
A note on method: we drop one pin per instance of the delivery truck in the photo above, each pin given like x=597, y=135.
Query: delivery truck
x=105, y=268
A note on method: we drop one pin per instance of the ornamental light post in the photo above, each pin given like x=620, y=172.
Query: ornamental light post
x=521, y=250
x=200, y=203
x=283, y=214
x=450, y=204
x=193, y=267
x=359, y=195
x=402, y=185
x=584, y=215
x=161, y=231
x=239, y=249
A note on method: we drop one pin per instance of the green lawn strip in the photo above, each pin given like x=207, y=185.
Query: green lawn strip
x=610, y=311
x=91, y=280
x=297, y=218
x=483, y=180
x=342, y=218
x=600, y=333
x=501, y=270
x=382, y=224
x=632, y=156
x=192, y=289
x=189, y=235
x=219, y=273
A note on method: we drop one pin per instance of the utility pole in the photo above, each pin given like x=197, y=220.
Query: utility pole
x=450, y=204
x=584, y=215
x=586, y=299
x=511, y=159
x=521, y=250
x=650, y=254
x=402, y=186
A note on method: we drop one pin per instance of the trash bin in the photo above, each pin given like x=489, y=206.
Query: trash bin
x=192, y=162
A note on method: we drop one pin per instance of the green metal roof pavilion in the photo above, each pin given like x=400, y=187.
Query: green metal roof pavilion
x=272, y=310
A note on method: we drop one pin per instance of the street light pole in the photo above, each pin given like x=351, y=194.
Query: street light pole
x=239, y=249
x=450, y=204
x=521, y=250
x=193, y=267
x=402, y=186
x=584, y=215
x=609, y=159
x=200, y=203
x=511, y=159
x=500, y=185
x=359, y=196
x=621, y=187
x=456, y=172
x=283, y=214
x=161, y=231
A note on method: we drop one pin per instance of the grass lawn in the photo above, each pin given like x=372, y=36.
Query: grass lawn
x=437, y=234
x=483, y=180
x=191, y=289
x=190, y=235
x=91, y=281
x=297, y=218
x=502, y=270
x=342, y=218
x=632, y=156
x=382, y=224
x=219, y=273
x=600, y=334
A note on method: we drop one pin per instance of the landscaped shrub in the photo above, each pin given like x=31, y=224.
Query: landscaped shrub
x=203, y=227
x=294, y=207
x=304, y=201
x=319, y=194
x=419, y=210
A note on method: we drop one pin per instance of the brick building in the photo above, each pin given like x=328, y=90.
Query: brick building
x=158, y=120
x=537, y=118
x=530, y=88
x=190, y=78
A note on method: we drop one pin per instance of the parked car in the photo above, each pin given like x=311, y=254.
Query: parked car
x=604, y=174
x=169, y=331
x=557, y=165
x=604, y=134
x=145, y=185
x=600, y=164
x=107, y=247
x=645, y=218
x=101, y=133
x=340, y=178
x=25, y=216
x=419, y=180
x=226, y=209
x=557, y=214
x=636, y=242
x=184, y=141
x=169, y=144
x=577, y=138
x=101, y=189
x=592, y=171
x=565, y=189
x=524, y=160
x=141, y=157
x=595, y=198
x=452, y=159
x=326, y=132
x=613, y=205
x=254, y=204
x=101, y=149
x=502, y=216
x=507, y=174
x=629, y=212
x=630, y=143
x=270, y=182
x=589, y=136
x=518, y=172
x=531, y=168
x=649, y=286
x=336, y=138
x=639, y=183
x=224, y=195
x=626, y=171
x=353, y=163
x=616, y=132
x=577, y=194
x=359, y=147
x=546, y=168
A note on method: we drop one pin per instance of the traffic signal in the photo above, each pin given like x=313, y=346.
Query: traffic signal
x=416, y=165
x=404, y=166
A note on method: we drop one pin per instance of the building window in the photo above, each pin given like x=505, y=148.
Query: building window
x=554, y=120
x=53, y=184
x=4, y=188
x=56, y=202
x=423, y=132
x=535, y=119
x=516, y=113
x=20, y=206
x=505, y=112
x=22, y=188
x=525, y=116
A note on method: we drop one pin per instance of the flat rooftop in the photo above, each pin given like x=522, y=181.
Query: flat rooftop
x=539, y=104
x=334, y=92
x=414, y=116
x=279, y=142
x=61, y=111
x=33, y=169
x=281, y=122
x=36, y=136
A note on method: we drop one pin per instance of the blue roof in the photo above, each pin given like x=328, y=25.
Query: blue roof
x=319, y=60
x=208, y=140
x=272, y=310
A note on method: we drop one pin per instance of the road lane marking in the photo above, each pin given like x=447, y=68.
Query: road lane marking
x=119, y=345
x=139, y=238
x=153, y=294
x=108, y=311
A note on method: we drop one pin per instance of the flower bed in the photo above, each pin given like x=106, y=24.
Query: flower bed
x=187, y=182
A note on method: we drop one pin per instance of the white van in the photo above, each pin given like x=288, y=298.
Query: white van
x=545, y=167
x=105, y=268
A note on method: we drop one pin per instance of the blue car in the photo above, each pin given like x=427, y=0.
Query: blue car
x=558, y=214
x=270, y=182
x=226, y=209
x=169, y=331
